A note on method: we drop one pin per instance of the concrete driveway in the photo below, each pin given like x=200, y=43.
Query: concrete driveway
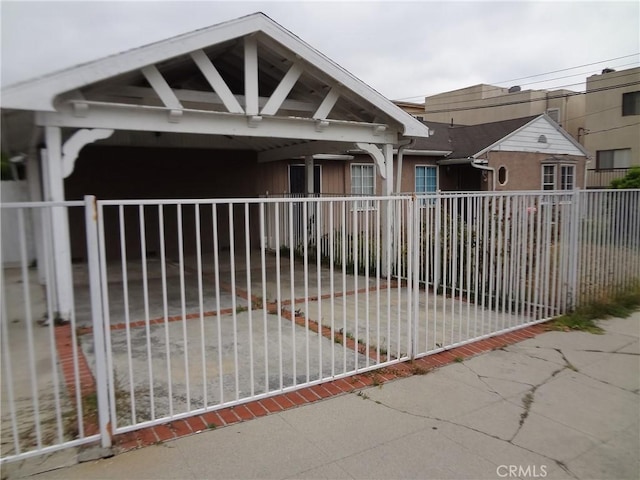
x=560, y=405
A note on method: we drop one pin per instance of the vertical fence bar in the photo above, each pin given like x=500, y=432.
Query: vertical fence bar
x=247, y=252
x=106, y=316
x=332, y=303
x=183, y=306
x=292, y=247
x=26, y=293
x=205, y=396
x=414, y=245
x=165, y=304
x=45, y=230
x=263, y=271
x=343, y=230
x=279, y=294
x=319, y=229
x=93, y=259
x=574, y=248
x=378, y=273
x=145, y=293
x=127, y=319
x=305, y=262
x=8, y=364
x=234, y=307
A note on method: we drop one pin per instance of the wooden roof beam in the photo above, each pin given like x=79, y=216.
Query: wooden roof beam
x=216, y=81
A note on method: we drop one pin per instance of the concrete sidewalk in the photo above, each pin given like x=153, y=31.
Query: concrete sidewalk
x=561, y=405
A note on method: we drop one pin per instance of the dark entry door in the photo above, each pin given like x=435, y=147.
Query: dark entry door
x=298, y=188
x=297, y=184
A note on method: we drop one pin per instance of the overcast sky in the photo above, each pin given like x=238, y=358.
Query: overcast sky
x=405, y=50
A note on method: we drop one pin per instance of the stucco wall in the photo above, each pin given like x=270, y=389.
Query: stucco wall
x=524, y=169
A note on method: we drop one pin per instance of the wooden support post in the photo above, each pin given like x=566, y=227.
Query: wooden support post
x=388, y=217
x=59, y=224
x=251, y=75
x=309, y=174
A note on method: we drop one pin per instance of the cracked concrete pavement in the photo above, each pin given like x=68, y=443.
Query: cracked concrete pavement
x=561, y=405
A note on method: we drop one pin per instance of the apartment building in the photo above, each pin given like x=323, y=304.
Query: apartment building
x=612, y=125
x=484, y=103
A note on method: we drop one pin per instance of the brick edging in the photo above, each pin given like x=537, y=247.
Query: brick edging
x=286, y=401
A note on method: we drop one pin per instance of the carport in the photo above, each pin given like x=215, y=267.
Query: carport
x=227, y=101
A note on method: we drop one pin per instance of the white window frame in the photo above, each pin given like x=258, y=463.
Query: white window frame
x=552, y=183
x=423, y=202
x=620, y=158
x=363, y=205
x=506, y=175
x=563, y=185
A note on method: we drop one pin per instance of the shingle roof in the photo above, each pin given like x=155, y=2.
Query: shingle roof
x=466, y=140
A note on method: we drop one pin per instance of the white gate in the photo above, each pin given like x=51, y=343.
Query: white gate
x=188, y=306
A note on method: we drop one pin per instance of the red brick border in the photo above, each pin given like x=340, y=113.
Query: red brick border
x=286, y=401
x=87, y=384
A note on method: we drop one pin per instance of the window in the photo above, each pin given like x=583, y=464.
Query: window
x=567, y=176
x=567, y=180
x=363, y=182
x=426, y=180
x=610, y=159
x=630, y=103
x=502, y=175
x=548, y=177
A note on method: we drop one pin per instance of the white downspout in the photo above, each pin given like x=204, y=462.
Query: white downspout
x=489, y=169
x=401, y=146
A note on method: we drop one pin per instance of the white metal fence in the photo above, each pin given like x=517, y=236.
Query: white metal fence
x=182, y=307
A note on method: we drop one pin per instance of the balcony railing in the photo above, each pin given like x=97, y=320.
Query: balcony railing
x=602, y=178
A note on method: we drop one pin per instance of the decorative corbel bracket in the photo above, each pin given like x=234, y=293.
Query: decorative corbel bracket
x=76, y=142
x=377, y=156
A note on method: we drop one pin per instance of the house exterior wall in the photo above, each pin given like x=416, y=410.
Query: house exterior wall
x=524, y=169
x=273, y=177
x=110, y=172
x=606, y=128
x=479, y=101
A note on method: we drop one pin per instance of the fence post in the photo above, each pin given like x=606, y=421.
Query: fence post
x=436, y=241
x=93, y=257
x=574, y=250
x=415, y=262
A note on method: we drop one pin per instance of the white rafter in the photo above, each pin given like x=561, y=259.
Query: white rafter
x=327, y=104
x=251, y=75
x=279, y=95
x=216, y=81
x=161, y=87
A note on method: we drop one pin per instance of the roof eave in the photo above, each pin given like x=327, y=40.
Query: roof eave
x=39, y=94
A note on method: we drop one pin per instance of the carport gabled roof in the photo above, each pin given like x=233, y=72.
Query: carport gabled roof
x=299, y=73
